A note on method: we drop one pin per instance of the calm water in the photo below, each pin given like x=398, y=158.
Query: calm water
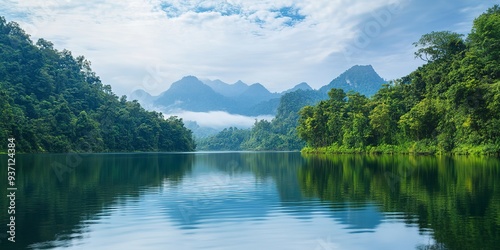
x=253, y=201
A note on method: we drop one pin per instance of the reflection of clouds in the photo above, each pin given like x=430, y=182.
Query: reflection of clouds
x=221, y=189
x=218, y=185
x=219, y=119
x=216, y=196
x=361, y=219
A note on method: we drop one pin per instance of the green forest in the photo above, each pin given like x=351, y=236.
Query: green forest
x=450, y=104
x=51, y=101
x=277, y=134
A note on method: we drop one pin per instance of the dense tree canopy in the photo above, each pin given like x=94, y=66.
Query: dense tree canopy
x=450, y=104
x=278, y=134
x=228, y=139
x=51, y=101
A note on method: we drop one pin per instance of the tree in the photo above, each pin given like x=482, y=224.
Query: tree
x=380, y=121
x=439, y=45
x=485, y=41
x=53, y=102
x=450, y=104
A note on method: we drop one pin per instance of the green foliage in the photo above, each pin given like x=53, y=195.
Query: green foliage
x=278, y=134
x=449, y=105
x=51, y=187
x=228, y=139
x=439, y=45
x=485, y=42
x=51, y=101
x=454, y=197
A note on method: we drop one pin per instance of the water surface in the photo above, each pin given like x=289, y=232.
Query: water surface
x=253, y=201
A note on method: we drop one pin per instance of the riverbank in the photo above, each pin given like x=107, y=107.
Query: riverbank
x=416, y=148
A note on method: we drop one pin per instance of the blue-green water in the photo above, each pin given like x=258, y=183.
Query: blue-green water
x=252, y=201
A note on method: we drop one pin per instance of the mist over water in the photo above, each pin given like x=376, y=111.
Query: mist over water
x=219, y=119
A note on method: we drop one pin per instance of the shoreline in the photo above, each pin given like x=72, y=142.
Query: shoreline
x=405, y=149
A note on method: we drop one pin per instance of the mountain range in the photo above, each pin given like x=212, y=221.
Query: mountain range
x=193, y=94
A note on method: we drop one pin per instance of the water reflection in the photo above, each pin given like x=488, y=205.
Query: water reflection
x=458, y=199
x=256, y=201
x=51, y=205
x=228, y=187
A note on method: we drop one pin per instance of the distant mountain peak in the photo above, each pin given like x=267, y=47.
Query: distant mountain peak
x=368, y=66
x=190, y=93
x=144, y=98
x=301, y=86
x=257, y=89
x=225, y=89
x=359, y=78
x=257, y=85
x=219, y=81
x=188, y=82
x=256, y=93
x=239, y=82
x=189, y=78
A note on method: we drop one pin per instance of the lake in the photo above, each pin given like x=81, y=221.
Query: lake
x=247, y=200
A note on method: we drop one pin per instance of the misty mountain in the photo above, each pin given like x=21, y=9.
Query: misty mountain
x=264, y=107
x=301, y=86
x=144, y=98
x=256, y=93
x=271, y=106
x=362, y=79
x=191, y=94
x=198, y=131
x=229, y=90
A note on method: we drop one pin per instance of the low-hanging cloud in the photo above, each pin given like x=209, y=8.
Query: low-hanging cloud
x=218, y=119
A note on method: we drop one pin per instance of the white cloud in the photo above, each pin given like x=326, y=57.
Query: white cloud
x=151, y=43
x=218, y=119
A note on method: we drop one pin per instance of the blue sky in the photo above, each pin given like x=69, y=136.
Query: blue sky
x=148, y=44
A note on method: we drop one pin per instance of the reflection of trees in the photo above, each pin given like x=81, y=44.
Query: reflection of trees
x=48, y=206
x=280, y=166
x=458, y=198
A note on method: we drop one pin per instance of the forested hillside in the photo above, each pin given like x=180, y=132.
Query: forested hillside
x=51, y=101
x=278, y=134
x=449, y=105
x=281, y=132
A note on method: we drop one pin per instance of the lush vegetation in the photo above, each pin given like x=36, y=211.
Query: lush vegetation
x=449, y=105
x=63, y=197
x=228, y=139
x=51, y=101
x=456, y=198
x=278, y=134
